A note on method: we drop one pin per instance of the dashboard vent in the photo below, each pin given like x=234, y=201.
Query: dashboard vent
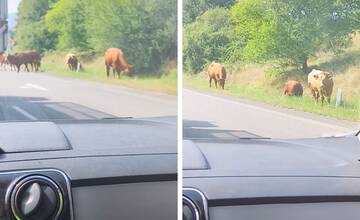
x=194, y=205
x=190, y=211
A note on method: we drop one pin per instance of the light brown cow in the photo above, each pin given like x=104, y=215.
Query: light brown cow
x=115, y=59
x=217, y=72
x=321, y=85
x=71, y=61
x=293, y=88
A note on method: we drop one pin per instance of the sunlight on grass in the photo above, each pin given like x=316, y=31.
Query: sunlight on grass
x=94, y=70
x=350, y=110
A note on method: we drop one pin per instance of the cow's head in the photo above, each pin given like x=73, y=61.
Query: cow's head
x=323, y=79
x=129, y=70
x=222, y=83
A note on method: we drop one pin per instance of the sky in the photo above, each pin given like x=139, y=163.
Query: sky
x=13, y=5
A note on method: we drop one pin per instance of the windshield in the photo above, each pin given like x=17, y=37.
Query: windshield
x=87, y=60
x=277, y=69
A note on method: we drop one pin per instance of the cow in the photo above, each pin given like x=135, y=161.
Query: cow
x=72, y=61
x=17, y=60
x=217, y=72
x=26, y=58
x=321, y=85
x=293, y=88
x=115, y=59
x=3, y=62
x=35, y=60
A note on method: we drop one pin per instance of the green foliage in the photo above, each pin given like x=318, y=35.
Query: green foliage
x=30, y=29
x=66, y=18
x=291, y=31
x=194, y=8
x=206, y=39
x=145, y=29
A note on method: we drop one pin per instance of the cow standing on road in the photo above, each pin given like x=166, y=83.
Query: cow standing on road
x=3, y=62
x=115, y=59
x=321, y=85
x=26, y=58
x=217, y=72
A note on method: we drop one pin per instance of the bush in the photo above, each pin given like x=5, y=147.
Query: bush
x=206, y=39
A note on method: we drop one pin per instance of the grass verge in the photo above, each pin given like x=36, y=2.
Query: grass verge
x=94, y=70
x=349, y=111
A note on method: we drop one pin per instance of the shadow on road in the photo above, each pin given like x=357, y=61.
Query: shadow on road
x=204, y=130
x=14, y=108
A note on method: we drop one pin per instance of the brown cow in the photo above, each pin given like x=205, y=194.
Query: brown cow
x=3, y=62
x=217, y=72
x=115, y=59
x=26, y=58
x=71, y=61
x=35, y=59
x=321, y=85
x=293, y=88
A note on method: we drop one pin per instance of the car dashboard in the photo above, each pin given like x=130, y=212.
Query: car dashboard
x=88, y=170
x=312, y=179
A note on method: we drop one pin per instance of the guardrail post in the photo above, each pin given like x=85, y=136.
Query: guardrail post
x=338, y=98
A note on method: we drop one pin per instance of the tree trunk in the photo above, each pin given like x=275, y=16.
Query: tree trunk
x=305, y=67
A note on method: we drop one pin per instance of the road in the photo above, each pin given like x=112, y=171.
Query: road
x=40, y=96
x=212, y=116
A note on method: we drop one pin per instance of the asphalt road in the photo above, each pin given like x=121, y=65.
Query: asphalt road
x=39, y=96
x=210, y=116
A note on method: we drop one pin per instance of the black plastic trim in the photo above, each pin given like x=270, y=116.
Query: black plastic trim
x=282, y=200
x=123, y=180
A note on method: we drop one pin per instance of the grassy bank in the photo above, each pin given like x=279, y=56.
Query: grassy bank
x=165, y=81
x=350, y=111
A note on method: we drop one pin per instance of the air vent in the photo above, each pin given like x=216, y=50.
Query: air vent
x=190, y=211
x=36, y=197
x=194, y=205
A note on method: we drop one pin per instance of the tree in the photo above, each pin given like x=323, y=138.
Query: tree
x=291, y=31
x=206, y=39
x=145, y=29
x=194, y=8
x=30, y=32
x=67, y=19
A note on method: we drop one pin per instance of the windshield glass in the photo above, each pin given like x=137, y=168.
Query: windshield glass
x=85, y=59
x=277, y=69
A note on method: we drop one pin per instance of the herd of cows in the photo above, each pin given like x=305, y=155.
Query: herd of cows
x=114, y=59
x=16, y=60
x=320, y=82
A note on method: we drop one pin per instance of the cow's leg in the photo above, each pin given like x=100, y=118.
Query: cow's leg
x=107, y=71
x=215, y=83
x=210, y=81
x=114, y=72
x=118, y=73
x=328, y=100
x=18, y=68
x=27, y=67
x=322, y=99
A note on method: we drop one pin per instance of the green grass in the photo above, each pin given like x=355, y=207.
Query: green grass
x=94, y=70
x=350, y=111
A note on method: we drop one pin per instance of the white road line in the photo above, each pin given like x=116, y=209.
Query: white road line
x=33, y=86
x=37, y=87
x=268, y=110
x=25, y=113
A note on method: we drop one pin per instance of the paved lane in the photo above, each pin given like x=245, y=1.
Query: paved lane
x=32, y=96
x=211, y=116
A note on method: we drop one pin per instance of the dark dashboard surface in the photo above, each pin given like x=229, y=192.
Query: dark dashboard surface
x=253, y=178
x=114, y=166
